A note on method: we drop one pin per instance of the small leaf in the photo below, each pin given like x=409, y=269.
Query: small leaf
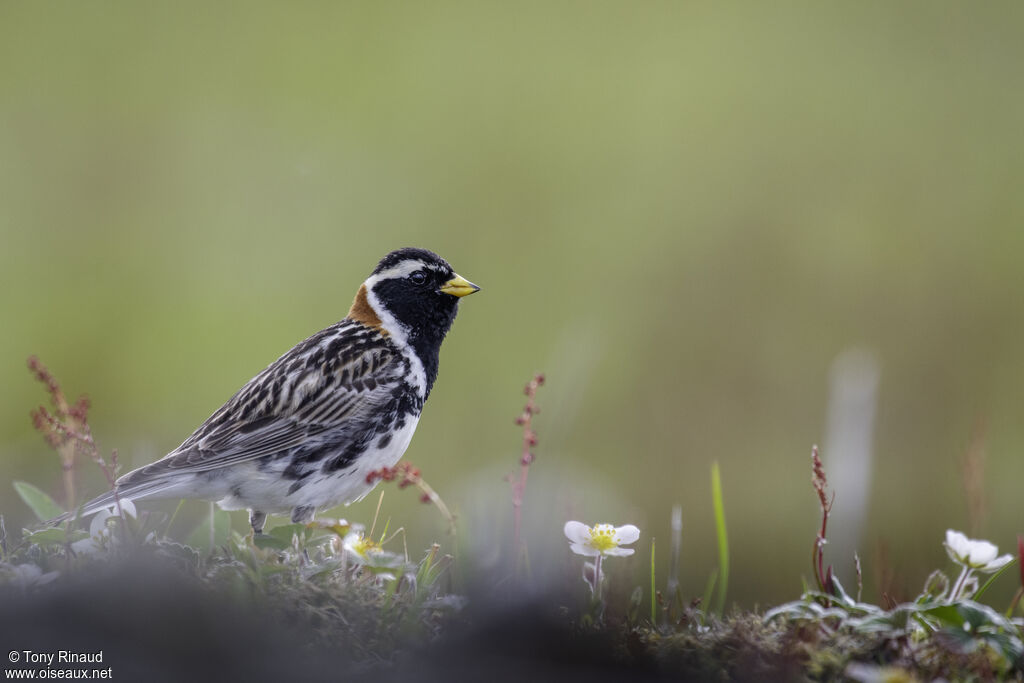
x=44, y=507
x=56, y=536
x=178, y=551
x=948, y=615
x=266, y=541
x=286, y=532
x=840, y=592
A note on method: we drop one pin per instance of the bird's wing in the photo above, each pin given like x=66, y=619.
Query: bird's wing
x=320, y=385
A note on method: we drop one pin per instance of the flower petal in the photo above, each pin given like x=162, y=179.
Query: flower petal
x=583, y=549
x=997, y=564
x=128, y=507
x=957, y=541
x=577, y=532
x=627, y=534
x=957, y=547
x=982, y=552
x=98, y=526
x=618, y=552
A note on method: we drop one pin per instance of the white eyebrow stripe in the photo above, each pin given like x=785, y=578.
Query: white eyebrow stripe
x=403, y=269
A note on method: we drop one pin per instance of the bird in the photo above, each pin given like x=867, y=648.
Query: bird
x=304, y=433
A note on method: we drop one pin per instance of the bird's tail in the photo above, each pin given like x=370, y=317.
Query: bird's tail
x=132, y=492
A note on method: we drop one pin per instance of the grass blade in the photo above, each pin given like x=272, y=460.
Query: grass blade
x=723, y=539
x=981, y=591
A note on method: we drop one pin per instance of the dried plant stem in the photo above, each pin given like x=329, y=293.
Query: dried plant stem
x=430, y=495
x=860, y=575
x=67, y=430
x=525, y=420
x=407, y=475
x=821, y=575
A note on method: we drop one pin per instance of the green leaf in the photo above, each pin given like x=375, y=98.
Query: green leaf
x=273, y=542
x=895, y=622
x=286, y=532
x=840, y=592
x=179, y=552
x=56, y=536
x=948, y=615
x=426, y=565
x=44, y=507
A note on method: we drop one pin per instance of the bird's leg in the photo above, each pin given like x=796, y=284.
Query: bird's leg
x=257, y=520
x=303, y=514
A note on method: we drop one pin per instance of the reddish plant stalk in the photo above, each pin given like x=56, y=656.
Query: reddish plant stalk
x=1020, y=565
x=525, y=420
x=1020, y=558
x=57, y=427
x=67, y=431
x=821, y=575
x=408, y=475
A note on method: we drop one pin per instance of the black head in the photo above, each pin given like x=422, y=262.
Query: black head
x=415, y=294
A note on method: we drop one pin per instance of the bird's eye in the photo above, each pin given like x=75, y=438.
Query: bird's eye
x=418, y=278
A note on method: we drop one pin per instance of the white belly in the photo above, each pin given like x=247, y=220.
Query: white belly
x=267, y=491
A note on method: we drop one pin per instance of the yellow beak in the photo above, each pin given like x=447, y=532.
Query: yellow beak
x=459, y=286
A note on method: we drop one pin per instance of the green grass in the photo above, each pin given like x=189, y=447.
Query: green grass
x=339, y=586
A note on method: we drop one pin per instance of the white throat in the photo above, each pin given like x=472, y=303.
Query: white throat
x=398, y=331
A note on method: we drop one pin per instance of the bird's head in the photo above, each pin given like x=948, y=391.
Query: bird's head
x=412, y=295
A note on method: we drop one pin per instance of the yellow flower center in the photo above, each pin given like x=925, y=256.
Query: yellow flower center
x=602, y=538
x=364, y=546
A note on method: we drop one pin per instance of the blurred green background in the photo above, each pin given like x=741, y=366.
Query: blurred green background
x=680, y=212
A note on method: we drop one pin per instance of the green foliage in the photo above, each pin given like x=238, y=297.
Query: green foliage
x=375, y=605
x=56, y=536
x=991, y=579
x=43, y=506
x=930, y=632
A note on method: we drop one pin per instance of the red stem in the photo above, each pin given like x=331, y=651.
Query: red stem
x=529, y=441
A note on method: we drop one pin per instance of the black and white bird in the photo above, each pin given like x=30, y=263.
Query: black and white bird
x=303, y=434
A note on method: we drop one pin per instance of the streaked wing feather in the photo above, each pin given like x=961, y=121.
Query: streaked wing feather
x=302, y=394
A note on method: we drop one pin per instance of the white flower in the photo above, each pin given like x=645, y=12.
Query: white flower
x=361, y=547
x=368, y=554
x=601, y=539
x=972, y=554
x=99, y=530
